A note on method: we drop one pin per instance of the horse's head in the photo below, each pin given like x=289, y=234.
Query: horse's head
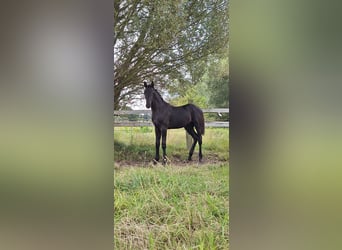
x=149, y=90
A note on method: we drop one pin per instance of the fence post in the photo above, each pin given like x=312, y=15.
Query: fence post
x=189, y=139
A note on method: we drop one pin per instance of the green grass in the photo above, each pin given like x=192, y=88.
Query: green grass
x=137, y=144
x=171, y=207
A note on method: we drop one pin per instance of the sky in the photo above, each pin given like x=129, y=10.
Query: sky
x=139, y=105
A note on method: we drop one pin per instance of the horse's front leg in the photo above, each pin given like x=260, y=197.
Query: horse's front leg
x=163, y=134
x=158, y=134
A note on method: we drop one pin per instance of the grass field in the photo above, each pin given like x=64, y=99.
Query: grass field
x=137, y=144
x=179, y=206
x=171, y=207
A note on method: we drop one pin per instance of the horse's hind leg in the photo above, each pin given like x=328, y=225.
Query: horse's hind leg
x=200, y=156
x=200, y=148
x=192, y=132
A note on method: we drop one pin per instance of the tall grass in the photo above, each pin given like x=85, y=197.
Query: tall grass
x=171, y=207
x=138, y=144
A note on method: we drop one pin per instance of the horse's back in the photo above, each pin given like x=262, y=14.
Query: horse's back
x=179, y=117
x=187, y=111
x=182, y=116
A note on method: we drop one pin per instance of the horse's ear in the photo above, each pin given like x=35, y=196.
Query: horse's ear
x=152, y=84
x=145, y=84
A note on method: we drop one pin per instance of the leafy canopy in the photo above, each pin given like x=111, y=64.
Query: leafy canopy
x=168, y=41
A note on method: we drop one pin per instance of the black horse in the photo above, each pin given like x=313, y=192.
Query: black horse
x=166, y=116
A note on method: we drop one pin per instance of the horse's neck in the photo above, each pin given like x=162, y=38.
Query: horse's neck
x=158, y=102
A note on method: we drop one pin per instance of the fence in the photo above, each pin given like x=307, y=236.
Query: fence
x=142, y=118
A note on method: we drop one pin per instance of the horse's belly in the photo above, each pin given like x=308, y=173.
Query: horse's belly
x=174, y=124
x=171, y=126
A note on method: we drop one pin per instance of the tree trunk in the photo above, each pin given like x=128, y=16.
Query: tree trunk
x=117, y=93
x=116, y=99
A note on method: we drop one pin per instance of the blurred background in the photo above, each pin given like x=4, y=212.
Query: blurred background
x=56, y=147
x=285, y=146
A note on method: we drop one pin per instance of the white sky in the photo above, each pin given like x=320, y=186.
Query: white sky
x=139, y=105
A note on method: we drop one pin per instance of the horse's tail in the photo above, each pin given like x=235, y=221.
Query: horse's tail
x=199, y=117
x=201, y=123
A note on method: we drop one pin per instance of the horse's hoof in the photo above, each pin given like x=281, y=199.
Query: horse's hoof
x=155, y=162
x=166, y=160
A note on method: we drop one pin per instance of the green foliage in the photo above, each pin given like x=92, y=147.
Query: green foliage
x=146, y=129
x=212, y=90
x=171, y=207
x=196, y=94
x=219, y=92
x=218, y=83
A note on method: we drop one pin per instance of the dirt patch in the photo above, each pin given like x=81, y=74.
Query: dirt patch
x=173, y=161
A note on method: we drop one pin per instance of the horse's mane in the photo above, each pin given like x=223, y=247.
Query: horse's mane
x=156, y=91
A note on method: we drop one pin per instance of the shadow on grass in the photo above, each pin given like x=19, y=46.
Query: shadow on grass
x=139, y=152
x=124, y=152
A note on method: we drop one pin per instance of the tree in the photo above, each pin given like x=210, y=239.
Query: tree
x=218, y=83
x=167, y=41
x=196, y=94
